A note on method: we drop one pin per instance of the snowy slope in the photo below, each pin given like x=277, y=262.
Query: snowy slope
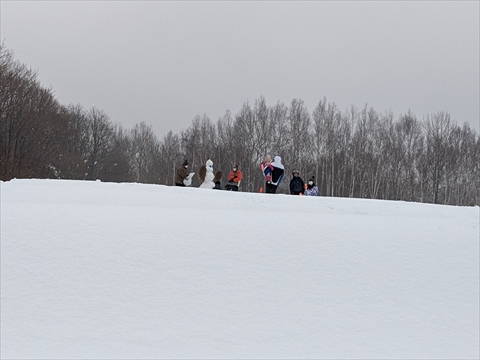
x=130, y=271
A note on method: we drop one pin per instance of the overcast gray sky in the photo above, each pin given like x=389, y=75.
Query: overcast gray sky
x=163, y=62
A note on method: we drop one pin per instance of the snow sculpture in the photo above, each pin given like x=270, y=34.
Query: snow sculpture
x=206, y=175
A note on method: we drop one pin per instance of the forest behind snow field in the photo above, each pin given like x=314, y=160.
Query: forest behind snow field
x=356, y=152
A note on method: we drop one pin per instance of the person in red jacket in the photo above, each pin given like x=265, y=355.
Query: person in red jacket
x=234, y=179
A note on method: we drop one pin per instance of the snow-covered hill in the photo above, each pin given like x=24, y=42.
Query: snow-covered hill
x=96, y=270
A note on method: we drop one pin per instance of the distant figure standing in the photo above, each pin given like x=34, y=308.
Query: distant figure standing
x=234, y=179
x=312, y=189
x=297, y=186
x=277, y=175
x=181, y=174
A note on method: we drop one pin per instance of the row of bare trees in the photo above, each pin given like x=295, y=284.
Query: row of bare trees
x=353, y=153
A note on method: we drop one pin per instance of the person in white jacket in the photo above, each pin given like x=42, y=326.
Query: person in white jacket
x=277, y=175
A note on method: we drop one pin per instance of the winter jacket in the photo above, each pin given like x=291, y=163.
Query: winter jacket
x=278, y=171
x=181, y=174
x=297, y=185
x=267, y=169
x=311, y=191
x=234, y=177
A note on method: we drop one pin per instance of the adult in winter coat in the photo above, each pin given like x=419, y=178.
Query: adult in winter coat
x=181, y=174
x=311, y=189
x=297, y=186
x=277, y=175
x=234, y=179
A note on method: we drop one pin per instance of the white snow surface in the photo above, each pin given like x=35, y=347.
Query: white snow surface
x=93, y=270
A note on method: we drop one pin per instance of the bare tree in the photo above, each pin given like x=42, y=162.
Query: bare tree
x=409, y=134
x=170, y=157
x=438, y=130
x=144, y=153
x=278, y=117
x=100, y=143
x=298, y=136
x=244, y=133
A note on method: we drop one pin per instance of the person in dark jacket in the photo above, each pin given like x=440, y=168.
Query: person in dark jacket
x=297, y=186
x=181, y=174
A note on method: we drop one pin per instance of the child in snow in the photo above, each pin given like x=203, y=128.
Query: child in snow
x=311, y=189
x=267, y=168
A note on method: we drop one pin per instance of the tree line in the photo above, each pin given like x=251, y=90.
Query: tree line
x=357, y=152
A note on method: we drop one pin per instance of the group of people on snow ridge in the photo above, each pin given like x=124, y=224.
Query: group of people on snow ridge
x=298, y=187
x=182, y=176
x=273, y=171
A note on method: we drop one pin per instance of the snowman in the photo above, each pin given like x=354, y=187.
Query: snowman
x=206, y=175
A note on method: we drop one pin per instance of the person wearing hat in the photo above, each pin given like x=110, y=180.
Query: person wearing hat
x=297, y=186
x=181, y=174
x=311, y=189
x=234, y=179
x=273, y=175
